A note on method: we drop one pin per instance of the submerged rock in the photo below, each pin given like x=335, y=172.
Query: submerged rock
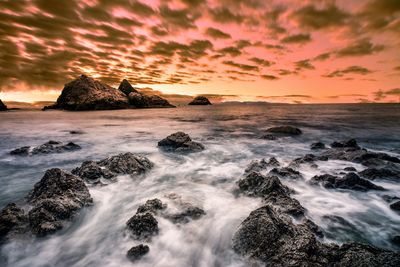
x=290, y=130
x=180, y=142
x=137, y=252
x=152, y=205
x=46, y=148
x=3, y=107
x=350, y=169
x=317, y=145
x=269, y=137
x=351, y=143
x=350, y=181
x=200, y=100
x=188, y=214
x=143, y=225
x=395, y=206
x=126, y=88
x=381, y=173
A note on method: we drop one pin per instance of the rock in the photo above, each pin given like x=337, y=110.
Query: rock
x=92, y=172
x=351, y=143
x=308, y=158
x=76, y=132
x=137, y=252
x=317, y=145
x=389, y=198
x=127, y=163
x=85, y=93
x=395, y=206
x=290, y=130
x=12, y=221
x=143, y=225
x=381, y=173
x=269, y=137
x=152, y=206
x=200, y=100
x=259, y=165
x=46, y=148
x=139, y=100
x=350, y=169
x=180, y=142
x=3, y=107
x=188, y=214
x=58, y=196
x=126, y=88
x=350, y=181
x=396, y=240
x=286, y=172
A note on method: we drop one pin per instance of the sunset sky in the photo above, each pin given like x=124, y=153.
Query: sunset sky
x=249, y=50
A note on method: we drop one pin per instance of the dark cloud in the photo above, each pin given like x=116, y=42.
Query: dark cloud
x=304, y=64
x=224, y=15
x=397, y=68
x=311, y=17
x=244, y=67
x=217, y=34
x=322, y=57
x=269, y=77
x=180, y=18
x=349, y=70
x=231, y=50
x=300, y=38
x=380, y=94
x=360, y=48
x=261, y=62
x=159, y=31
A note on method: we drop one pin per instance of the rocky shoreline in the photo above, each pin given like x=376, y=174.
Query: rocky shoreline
x=279, y=233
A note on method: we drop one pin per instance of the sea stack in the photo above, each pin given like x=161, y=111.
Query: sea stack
x=126, y=87
x=200, y=101
x=3, y=107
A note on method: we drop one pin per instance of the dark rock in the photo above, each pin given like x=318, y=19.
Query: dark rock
x=350, y=181
x=269, y=137
x=85, y=93
x=46, y=148
x=351, y=143
x=350, y=169
x=286, y=172
x=12, y=221
x=188, y=214
x=127, y=163
x=381, y=173
x=395, y=206
x=140, y=100
x=76, y=132
x=200, y=100
x=152, y=205
x=389, y=198
x=308, y=158
x=143, y=225
x=396, y=240
x=290, y=130
x=180, y=142
x=3, y=107
x=137, y=252
x=259, y=165
x=317, y=145
x=93, y=172
x=126, y=88
x=58, y=196
x=313, y=228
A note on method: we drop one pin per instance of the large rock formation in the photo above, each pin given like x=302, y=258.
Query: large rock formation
x=85, y=93
x=200, y=101
x=3, y=107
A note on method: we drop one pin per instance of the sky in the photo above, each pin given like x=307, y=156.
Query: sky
x=311, y=51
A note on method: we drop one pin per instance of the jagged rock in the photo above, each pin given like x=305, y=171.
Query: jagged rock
x=308, y=158
x=143, y=225
x=351, y=143
x=58, y=196
x=259, y=165
x=3, y=107
x=152, y=206
x=286, y=172
x=46, y=148
x=317, y=145
x=85, y=93
x=127, y=163
x=381, y=173
x=290, y=130
x=12, y=221
x=137, y=252
x=188, y=214
x=200, y=100
x=93, y=172
x=395, y=206
x=140, y=100
x=350, y=181
x=126, y=88
x=180, y=142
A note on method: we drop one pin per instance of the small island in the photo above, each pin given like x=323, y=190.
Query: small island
x=3, y=107
x=200, y=101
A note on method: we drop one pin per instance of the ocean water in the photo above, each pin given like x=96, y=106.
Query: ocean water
x=231, y=134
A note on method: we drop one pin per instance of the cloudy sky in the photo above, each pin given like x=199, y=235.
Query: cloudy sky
x=263, y=50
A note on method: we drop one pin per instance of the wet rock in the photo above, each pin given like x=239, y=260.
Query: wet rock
x=200, y=100
x=152, y=206
x=143, y=225
x=3, y=107
x=308, y=158
x=396, y=240
x=389, y=198
x=313, y=228
x=46, y=148
x=289, y=130
x=395, y=206
x=12, y=221
x=286, y=172
x=259, y=165
x=269, y=137
x=76, y=132
x=137, y=252
x=140, y=100
x=92, y=172
x=180, y=142
x=58, y=196
x=381, y=173
x=317, y=145
x=188, y=214
x=85, y=93
x=351, y=143
x=350, y=169
x=350, y=181
x=127, y=163
x=126, y=88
